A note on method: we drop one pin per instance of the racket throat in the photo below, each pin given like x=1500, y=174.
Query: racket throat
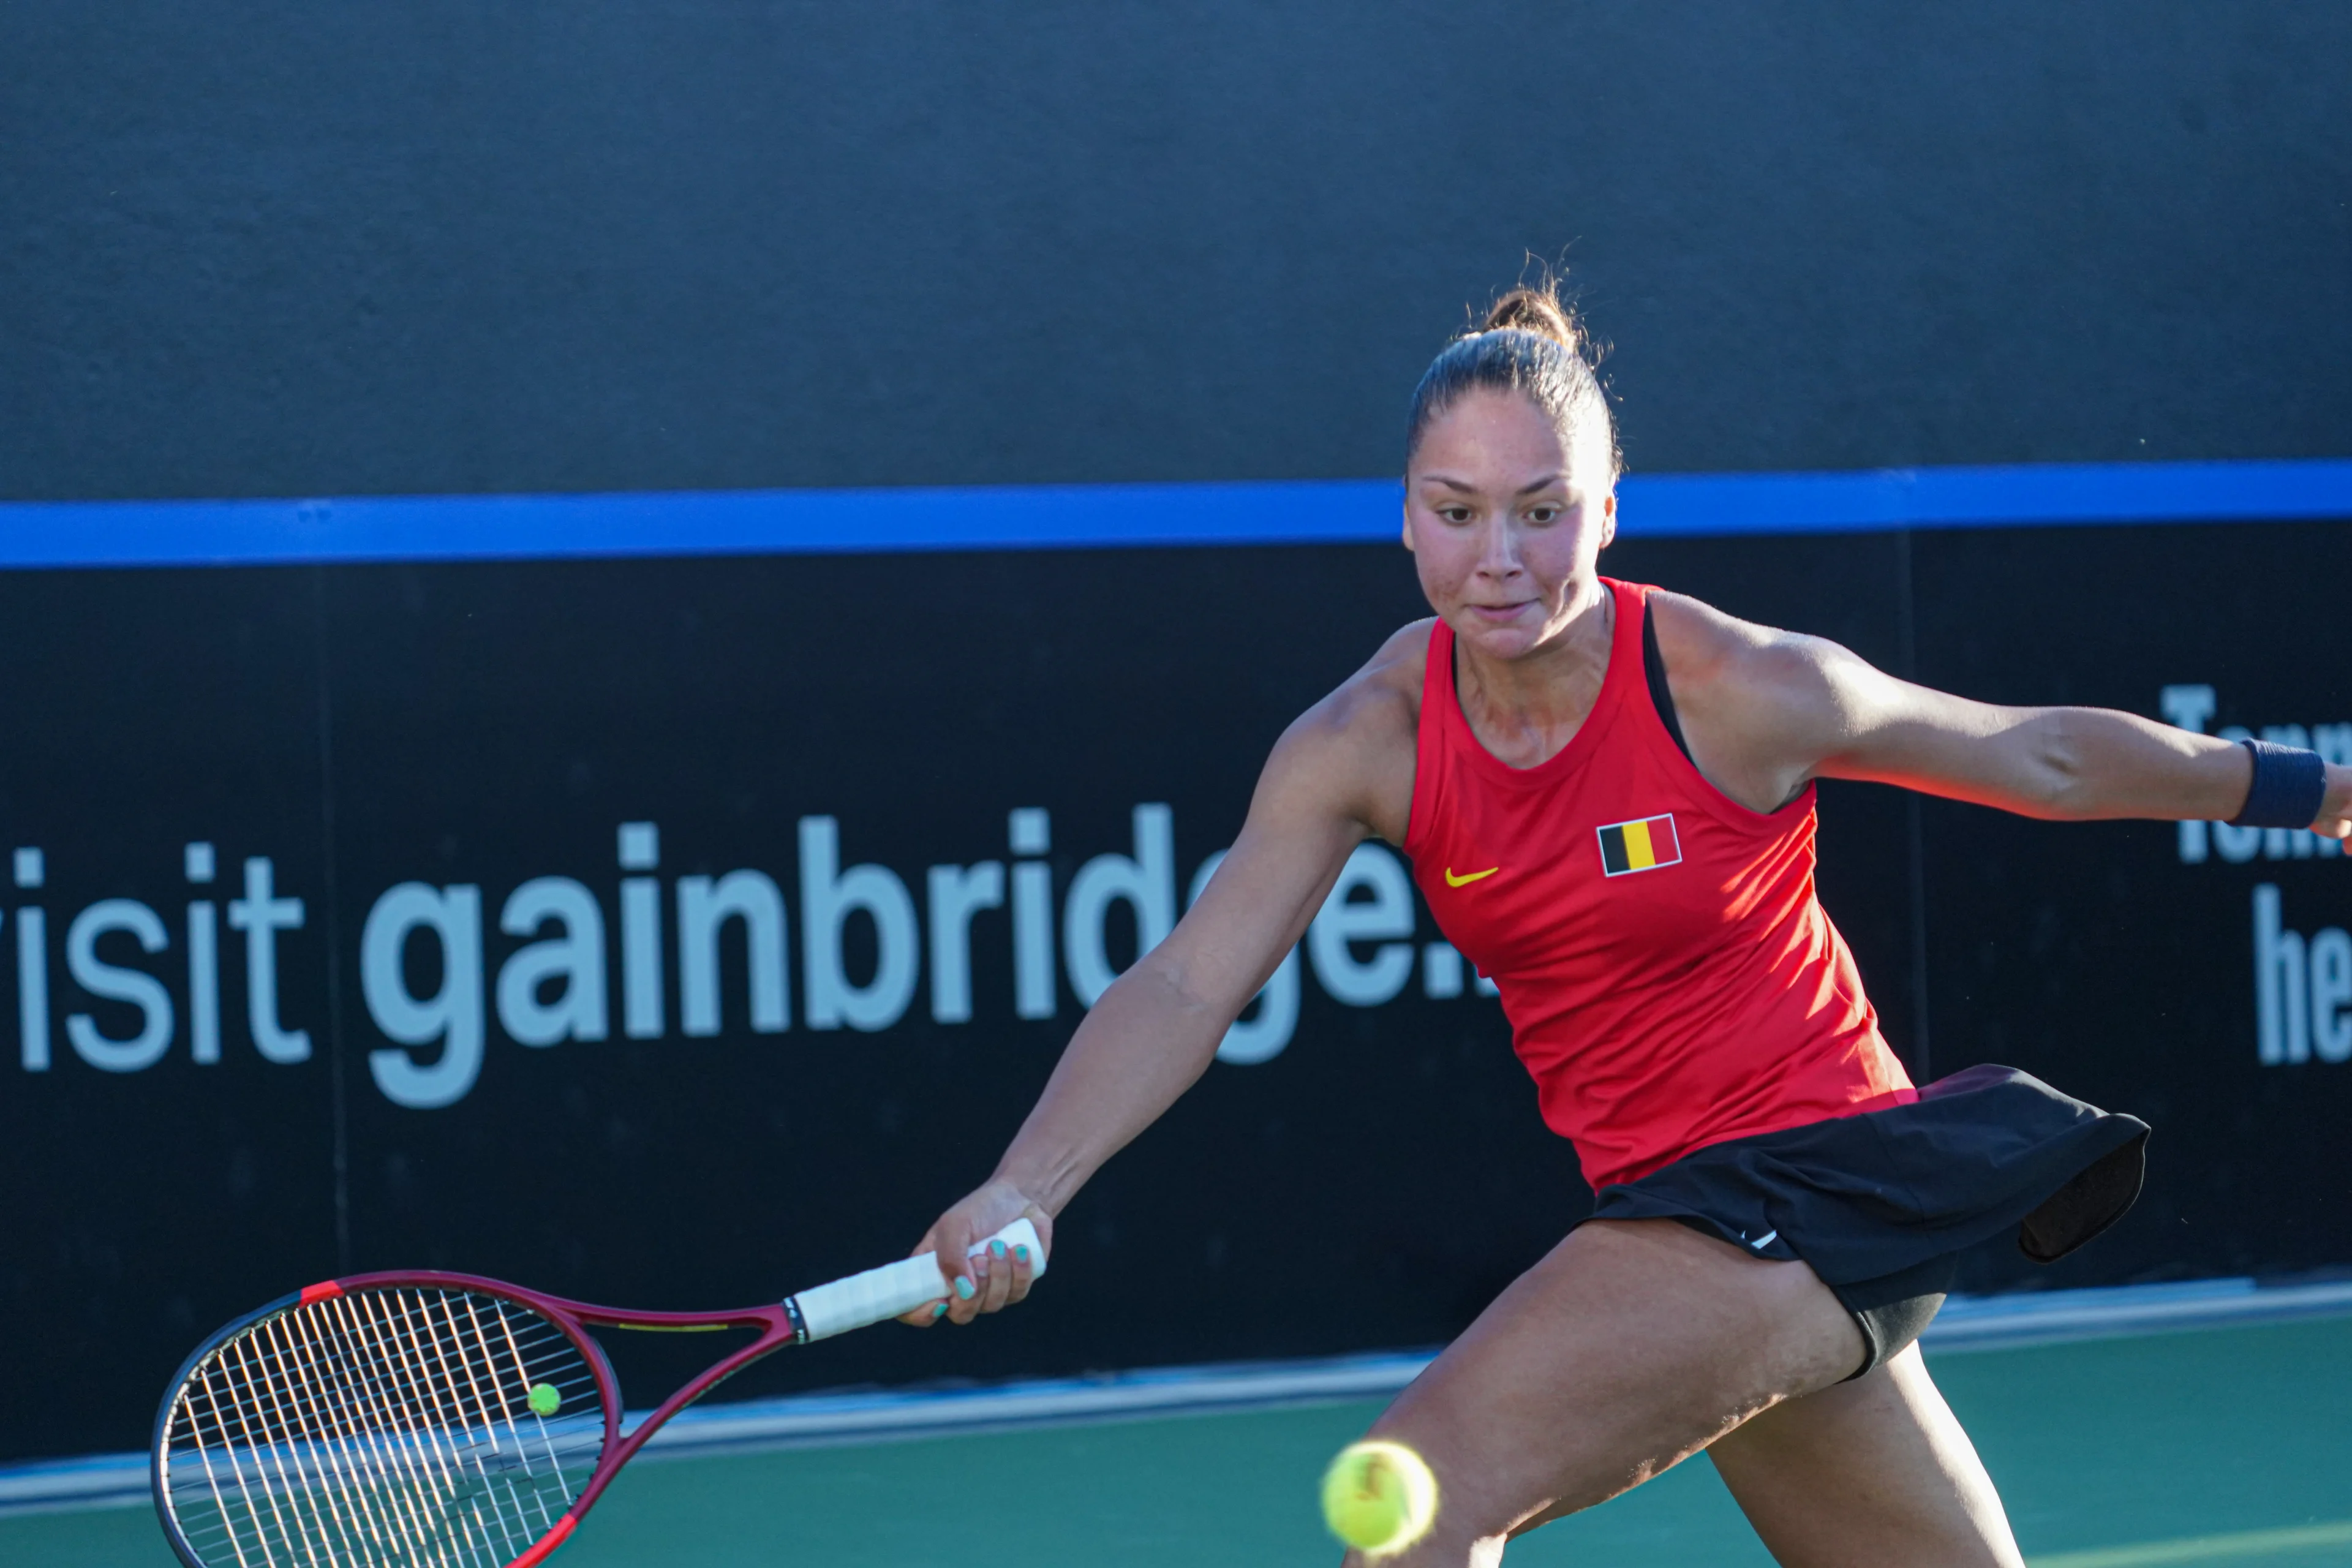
x=544, y=1547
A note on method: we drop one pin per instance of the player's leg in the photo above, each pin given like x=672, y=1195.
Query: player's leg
x=1867, y=1473
x=1632, y=1346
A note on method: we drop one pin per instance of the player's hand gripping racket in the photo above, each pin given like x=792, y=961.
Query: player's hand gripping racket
x=436, y=1420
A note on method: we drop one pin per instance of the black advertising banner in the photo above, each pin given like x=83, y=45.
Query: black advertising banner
x=2196, y=975
x=680, y=931
x=693, y=930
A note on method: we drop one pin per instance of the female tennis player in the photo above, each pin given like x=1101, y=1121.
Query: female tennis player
x=1607, y=794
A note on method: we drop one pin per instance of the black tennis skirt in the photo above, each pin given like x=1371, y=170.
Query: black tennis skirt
x=1882, y=1203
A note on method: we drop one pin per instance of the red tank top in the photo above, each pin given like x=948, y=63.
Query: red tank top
x=1670, y=979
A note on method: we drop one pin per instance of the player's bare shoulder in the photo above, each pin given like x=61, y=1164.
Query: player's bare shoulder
x=1354, y=750
x=1757, y=705
x=1716, y=661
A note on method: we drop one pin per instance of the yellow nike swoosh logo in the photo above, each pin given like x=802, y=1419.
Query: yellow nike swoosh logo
x=1453, y=881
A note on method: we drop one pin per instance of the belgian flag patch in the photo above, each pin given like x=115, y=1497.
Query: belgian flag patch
x=1643, y=845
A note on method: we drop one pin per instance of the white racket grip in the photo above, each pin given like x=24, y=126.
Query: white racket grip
x=897, y=1288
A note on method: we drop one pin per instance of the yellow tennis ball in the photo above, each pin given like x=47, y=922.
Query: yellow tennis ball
x=1378, y=1498
x=544, y=1399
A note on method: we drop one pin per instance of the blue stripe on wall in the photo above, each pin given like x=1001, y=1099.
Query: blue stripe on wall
x=481, y=528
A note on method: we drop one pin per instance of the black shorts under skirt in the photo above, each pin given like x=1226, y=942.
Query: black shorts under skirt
x=1882, y=1204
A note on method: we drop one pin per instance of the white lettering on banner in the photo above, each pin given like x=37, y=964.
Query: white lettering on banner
x=2330, y=959
x=32, y=990
x=1145, y=881
x=1252, y=1041
x=2282, y=1029
x=556, y=983
x=451, y=1016
x=955, y=894
x=576, y=957
x=117, y=983
x=641, y=943
x=1344, y=919
x=828, y=897
x=204, y=961
x=261, y=916
x=32, y=970
x=703, y=906
x=1029, y=830
x=2301, y=987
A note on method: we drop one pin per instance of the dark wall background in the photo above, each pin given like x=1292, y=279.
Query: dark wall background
x=1372, y=1186
x=264, y=249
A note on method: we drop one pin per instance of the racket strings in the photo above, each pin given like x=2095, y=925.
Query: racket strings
x=379, y=1428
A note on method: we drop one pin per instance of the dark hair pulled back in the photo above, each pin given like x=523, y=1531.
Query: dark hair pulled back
x=1531, y=343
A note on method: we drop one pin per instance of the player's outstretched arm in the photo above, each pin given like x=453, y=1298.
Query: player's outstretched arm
x=1766, y=711
x=2059, y=764
x=1149, y=1037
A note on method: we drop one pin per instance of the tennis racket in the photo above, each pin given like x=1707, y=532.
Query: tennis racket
x=430, y=1420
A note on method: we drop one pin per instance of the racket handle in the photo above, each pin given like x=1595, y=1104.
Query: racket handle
x=897, y=1288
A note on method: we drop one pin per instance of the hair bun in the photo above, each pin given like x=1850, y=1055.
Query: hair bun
x=1508, y=354
x=1537, y=311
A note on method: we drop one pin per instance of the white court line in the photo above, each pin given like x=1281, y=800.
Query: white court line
x=2053, y=1317
x=1967, y=1324
x=2239, y=1544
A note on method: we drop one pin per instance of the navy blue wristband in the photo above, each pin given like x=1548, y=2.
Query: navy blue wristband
x=2289, y=784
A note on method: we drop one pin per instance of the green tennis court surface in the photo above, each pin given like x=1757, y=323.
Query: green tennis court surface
x=2225, y=1447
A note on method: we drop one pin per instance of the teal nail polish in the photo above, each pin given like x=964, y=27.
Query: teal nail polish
x=1022, y=1252
x=996, y=1249
x=939, y=1311
x=963, y=1289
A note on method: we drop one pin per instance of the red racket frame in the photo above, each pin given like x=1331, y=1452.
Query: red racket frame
x=837, y=1306
x=777, y=1327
